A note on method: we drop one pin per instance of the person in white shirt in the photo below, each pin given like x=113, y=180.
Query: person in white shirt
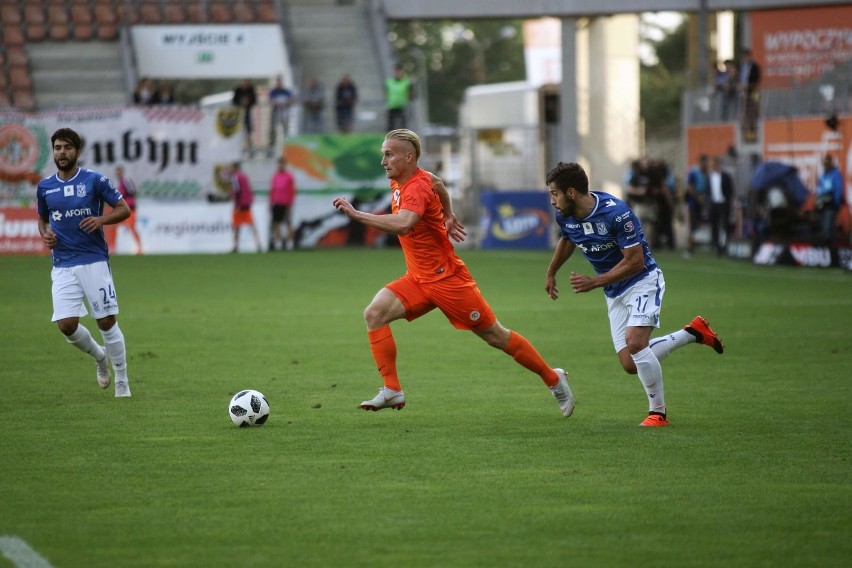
x=721, y=192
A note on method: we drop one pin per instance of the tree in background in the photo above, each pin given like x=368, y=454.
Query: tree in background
x=456, y=55
x=663, y=82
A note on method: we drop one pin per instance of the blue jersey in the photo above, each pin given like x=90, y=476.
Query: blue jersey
x=67, y=202
x=610, y=227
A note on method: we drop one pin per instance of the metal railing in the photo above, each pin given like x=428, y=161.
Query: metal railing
x=817, y=98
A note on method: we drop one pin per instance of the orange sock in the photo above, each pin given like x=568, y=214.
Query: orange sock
x=383, y=347
x=525, y=354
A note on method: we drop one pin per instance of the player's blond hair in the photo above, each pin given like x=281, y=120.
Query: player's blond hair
x=406, y=135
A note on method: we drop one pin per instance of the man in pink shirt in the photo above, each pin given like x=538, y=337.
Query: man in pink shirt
x=243, y=198
x=282, y=192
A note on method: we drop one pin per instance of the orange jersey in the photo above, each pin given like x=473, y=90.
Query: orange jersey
x=429, y=254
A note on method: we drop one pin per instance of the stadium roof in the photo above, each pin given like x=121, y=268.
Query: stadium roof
x=472, y=9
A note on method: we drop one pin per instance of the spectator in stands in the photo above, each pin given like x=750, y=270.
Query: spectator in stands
x=696, y=194
x=721, y=194
x=749, y=89
x=345, y=99
x=313, y=101
x=280, y=100
x=641, y=197
x=245, y=97
x=729, y=91
x=829, y=198
x=144, y=92
x=662, y=182
x=399, y=91
x=164, y=94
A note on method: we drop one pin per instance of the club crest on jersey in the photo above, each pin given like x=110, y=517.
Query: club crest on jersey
x=81, y=190
x=396, y=196
x=68, y=191
x=587, y=229
x=601, y=228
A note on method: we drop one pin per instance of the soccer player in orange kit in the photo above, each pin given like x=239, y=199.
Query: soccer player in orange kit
x=422, y=216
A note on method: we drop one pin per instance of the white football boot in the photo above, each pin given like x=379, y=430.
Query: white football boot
x=103, y=372
x=387, y=398
x=562, y=394
x=122, y=389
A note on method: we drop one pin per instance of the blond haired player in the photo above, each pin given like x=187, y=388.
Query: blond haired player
x=422, y=216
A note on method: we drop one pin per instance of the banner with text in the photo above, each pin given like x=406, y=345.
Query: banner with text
x=170, y=151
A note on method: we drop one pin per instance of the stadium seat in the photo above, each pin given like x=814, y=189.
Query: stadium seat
x=123, y=12
x=36, y=32
x=105, y=14
x=149, y=12
x=82, y=21
x=266, y=11
x=12, y=35
x=5, y=101
x=220, y=13
x=19, y=76
x=34, y=13
x=58, y=31
x=10, y=14
x=107, y=32
x=244, y=13
x=17, y=57
x=57, y=12
x=195, y=13
x=23, y=99
x=174, y=12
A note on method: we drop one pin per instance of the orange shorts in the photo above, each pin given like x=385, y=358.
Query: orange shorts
x=242, y=217
x=457, y=296
x=130, y=221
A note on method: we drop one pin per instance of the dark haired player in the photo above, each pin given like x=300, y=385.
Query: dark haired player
x=609, y=235
x=70, y=219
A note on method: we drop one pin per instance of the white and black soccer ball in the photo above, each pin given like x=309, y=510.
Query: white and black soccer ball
x=248, y=408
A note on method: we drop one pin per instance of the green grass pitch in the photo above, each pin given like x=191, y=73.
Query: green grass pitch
x=479, y=469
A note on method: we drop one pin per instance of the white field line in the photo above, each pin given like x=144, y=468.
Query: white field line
x=21, y=554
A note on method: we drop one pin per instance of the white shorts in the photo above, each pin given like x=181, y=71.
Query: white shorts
x=89, y=282
x=638, y=306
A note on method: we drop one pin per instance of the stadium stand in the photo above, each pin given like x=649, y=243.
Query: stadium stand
x=43, y=43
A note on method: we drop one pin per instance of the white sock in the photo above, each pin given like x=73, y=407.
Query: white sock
x=651, y=375
x=114, y=344
x=663, y=346
x=83, y=340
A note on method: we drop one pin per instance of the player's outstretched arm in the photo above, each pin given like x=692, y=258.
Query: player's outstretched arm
x=399, y=223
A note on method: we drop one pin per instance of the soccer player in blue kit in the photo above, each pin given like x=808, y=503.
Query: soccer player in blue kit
x=609, y=235
x=70, y=219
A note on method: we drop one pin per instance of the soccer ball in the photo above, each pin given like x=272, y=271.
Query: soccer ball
x=248, y=408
